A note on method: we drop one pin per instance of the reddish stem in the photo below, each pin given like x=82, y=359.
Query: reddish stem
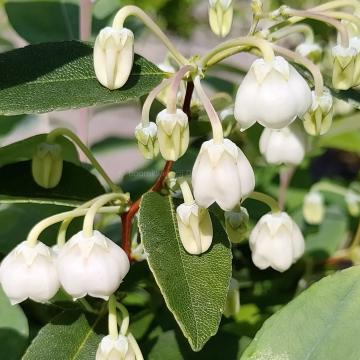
x=126, y=218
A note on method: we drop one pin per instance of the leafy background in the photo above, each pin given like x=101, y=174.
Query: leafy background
x=317, y=323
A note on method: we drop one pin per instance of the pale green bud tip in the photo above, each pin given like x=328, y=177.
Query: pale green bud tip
x=237, y=225
x=195, y=228
x=113, y=56
x=313, y=208
x=318, y=120
x=147, y=141
x=312, y=51
x=344, y=67
x=353, y=203
x=220, y=16
x=173, y=134
x=47, y=164
x=232, y=305
x=256, y=7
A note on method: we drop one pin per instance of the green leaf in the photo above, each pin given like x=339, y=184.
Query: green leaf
x=57, y=76
x=24, y=150
x=320, y=324
x=70, y=336
x=194, y=287
x=76, y=185
x=14, y=329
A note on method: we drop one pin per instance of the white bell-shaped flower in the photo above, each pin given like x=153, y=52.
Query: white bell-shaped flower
x=173, y=134
x=313, y=208
x=272, y=93
x=343, y=67
x=115, y=349
x=221, y=174
x=29, y=272
x=91, y=265
x=195, y=228
x=276, y=241
x=113, y=56
x=147, y=140
x=287, y=145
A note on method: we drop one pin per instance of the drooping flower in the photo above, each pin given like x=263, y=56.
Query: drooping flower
x=276, y=241
x=147, y=140
x=113, y=56
x=313, y=208
x=220, y=16
x=312, y=51
x=221, y=174
x=343, y=67
x=273, y=94
x=237, y=224
x=92, y=266
x=115, y=349
x=29, y=272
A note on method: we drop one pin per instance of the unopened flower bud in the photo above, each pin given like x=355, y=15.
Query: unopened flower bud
x=276, y=241
x=173, y=134
x=195, y=228
x=313, y=208
x=171, y=182
x=352, y=200
x=272, y=93
x=312, y=51
x=47, y=165
x=220, y=16
x=147, y=140
x=318, y=120
x=284, y=146
x=232, y=305
x=221, y=174
x=29, y=272
x=115, y=349
x=256, y=7
x=113, y=56
x=92, y=266
x=237, y=225
x=343, y=67
x=355, y=43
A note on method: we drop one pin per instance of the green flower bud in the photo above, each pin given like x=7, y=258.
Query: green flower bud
x=352, y=200
x=232, y=305
x=147, y=141
x=343, y=67
x=47, y=164
x=171, y=182
x=313, y=208
x=312, y=51
x=220, y=16
x=237, y=225
x=173, y=134
x=355, y=43
x=318, y=119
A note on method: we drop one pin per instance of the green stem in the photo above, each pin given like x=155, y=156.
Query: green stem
x=130, y=10
x=266, y=199
x=68, y=133
x=304, y=29
x=243, y=42
x=186, y=192
x=112, y=319
x=314, y=70
x=211, y=112
x=125, y=319
x=328, y=187
x=135, y=347
x=35, y=232
x=90, y=214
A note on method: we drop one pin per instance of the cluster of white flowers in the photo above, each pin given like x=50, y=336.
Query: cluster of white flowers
x=92, y=266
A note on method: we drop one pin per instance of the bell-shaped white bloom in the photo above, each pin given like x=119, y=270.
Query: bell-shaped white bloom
x=147, y=140
x=115, y=349
x=312, y=51
x=29, y=272
x=318, y=120
x=113, y=57
x=272, y=93
x=221, y=174
x=195, y=228
x=287, y=145
x=276, y=241
x=237, y=224
x=313, y=208
x=173, y=134
x=91, y=265
x=220, y=16
x=343, y=67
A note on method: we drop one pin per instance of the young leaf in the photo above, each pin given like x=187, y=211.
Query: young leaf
x=194, y=287
x=57, y=76
x=319, y=324
x=70, y=335
x=76, y=185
